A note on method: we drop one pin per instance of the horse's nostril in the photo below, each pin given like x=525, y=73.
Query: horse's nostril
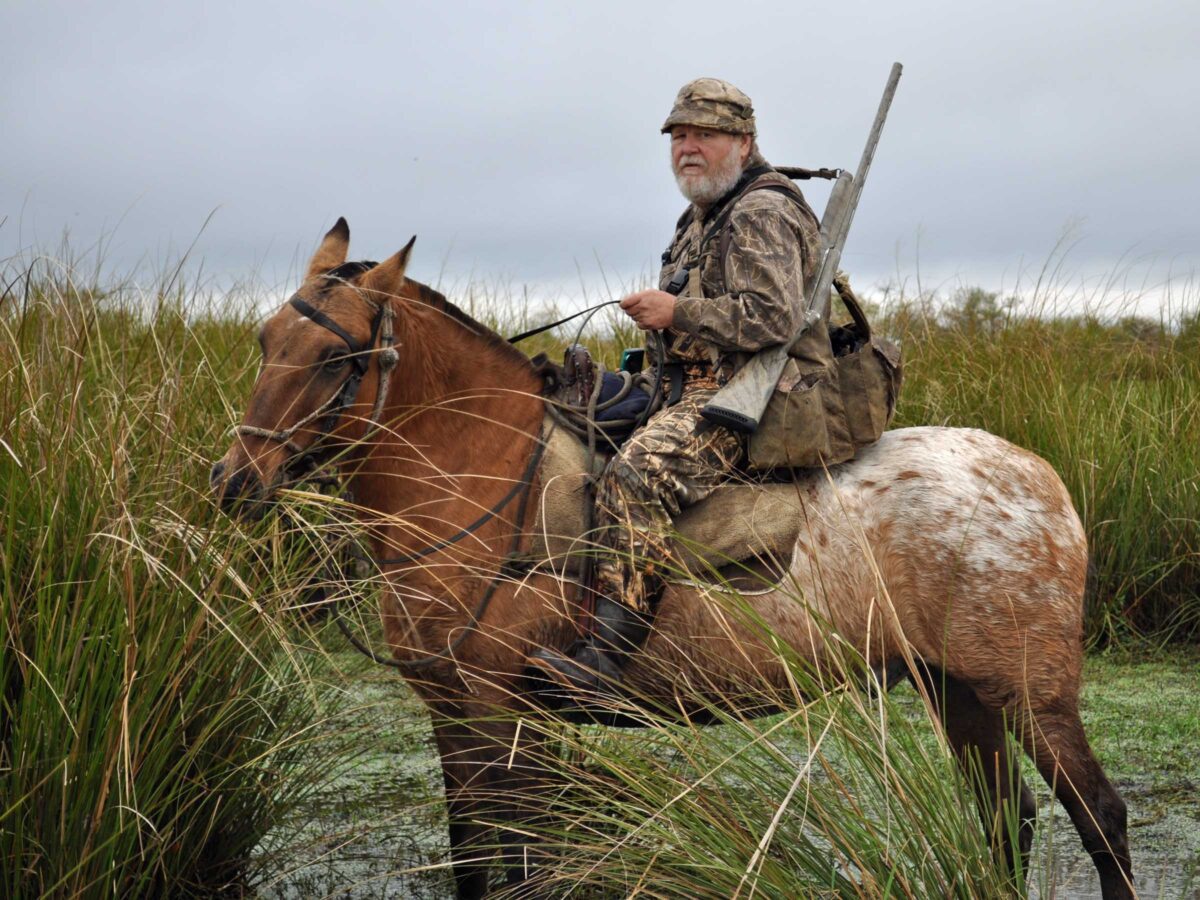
x=242, y=493
x=234, y=488
x=218, y=471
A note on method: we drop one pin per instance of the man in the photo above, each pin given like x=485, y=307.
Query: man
x=740, y=252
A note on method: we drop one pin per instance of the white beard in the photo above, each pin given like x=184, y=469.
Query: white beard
x=707, y=187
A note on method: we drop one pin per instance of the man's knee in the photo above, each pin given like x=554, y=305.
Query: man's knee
x=628, y=472
x=639, y=479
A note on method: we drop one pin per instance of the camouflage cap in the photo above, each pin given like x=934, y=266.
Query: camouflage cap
x=712, y=103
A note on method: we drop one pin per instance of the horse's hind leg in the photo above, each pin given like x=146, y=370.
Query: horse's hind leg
x=980, y=741
x=1054, y=738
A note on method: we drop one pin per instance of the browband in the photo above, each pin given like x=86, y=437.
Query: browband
x=358, y=350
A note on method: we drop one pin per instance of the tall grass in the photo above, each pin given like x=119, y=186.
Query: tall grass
x=152, y=728
x=1111, y=399
x=844, y=797
x=849, y=796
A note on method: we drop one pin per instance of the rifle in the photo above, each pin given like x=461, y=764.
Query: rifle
x=740, y=404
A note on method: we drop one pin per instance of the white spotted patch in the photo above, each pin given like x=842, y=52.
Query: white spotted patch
x=959, y=507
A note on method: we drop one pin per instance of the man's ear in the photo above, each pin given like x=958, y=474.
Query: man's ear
x=747, y=145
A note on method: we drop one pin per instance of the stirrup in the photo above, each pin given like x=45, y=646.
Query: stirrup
x=583, y=673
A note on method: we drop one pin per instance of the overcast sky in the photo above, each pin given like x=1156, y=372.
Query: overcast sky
x=520, y=141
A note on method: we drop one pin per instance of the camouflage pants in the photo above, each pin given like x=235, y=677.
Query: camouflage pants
x=675, y=460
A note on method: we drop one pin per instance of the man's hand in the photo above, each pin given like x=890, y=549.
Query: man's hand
x=651, y=310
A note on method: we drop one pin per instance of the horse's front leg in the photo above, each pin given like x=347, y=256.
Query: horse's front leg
x=496, y=772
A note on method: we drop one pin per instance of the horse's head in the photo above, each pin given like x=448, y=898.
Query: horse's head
x=323, y=353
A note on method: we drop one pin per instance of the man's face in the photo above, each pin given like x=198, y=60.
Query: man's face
x=707, y=163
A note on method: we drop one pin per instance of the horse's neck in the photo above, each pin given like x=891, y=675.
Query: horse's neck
x=464, y=414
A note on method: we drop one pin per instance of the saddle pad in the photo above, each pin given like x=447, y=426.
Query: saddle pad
x=738, y=522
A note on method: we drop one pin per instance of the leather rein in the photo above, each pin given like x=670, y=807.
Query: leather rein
x=330, y=412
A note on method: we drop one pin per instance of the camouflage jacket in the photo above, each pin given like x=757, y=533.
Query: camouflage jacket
x=754, y=297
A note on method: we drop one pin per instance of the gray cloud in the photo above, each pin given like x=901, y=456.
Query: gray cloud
x=522, y=140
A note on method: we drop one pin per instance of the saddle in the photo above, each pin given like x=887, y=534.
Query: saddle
x=742, y=535
x=599, y=407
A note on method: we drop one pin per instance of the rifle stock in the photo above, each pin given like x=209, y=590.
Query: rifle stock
x=740, y=404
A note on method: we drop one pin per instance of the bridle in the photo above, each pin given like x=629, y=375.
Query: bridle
x=382, y=330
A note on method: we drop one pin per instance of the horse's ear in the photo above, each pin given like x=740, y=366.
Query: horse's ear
x=387, y=277
x=332, y=252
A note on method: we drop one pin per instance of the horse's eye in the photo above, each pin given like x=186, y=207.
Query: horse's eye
x=336, y=363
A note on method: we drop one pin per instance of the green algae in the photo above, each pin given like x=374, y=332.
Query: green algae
x=378, y=828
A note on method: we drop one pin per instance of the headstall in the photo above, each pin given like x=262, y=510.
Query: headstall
x=332, y=409
x=360, y=360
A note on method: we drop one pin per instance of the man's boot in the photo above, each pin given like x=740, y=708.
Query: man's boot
x=591, y=668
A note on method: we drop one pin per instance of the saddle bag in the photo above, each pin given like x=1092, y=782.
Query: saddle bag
x=822, y=417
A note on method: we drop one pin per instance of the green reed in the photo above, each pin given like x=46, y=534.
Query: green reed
x=849, y=796
x=1112, y=402
x=151, y=721
x=159, y=708
x=842, y=797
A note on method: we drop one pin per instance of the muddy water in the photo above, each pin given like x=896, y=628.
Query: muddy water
x=378, y=829
x=1164, y=837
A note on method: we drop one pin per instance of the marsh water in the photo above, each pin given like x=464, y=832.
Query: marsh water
x=377, y=828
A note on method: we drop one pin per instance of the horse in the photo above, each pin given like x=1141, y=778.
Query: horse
x=951, y=551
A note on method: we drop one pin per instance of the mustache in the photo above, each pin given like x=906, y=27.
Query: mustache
x=689, y=159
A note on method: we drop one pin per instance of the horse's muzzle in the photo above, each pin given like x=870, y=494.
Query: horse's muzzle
x=239, y=493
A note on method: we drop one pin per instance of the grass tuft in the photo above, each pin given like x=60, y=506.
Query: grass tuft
x=152, y=726
x=162, y=716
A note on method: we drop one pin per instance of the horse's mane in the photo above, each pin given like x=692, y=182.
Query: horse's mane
x=435, y=299
x=427, y=296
